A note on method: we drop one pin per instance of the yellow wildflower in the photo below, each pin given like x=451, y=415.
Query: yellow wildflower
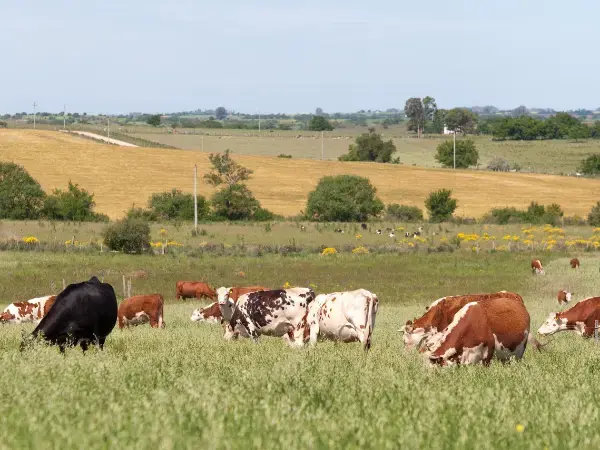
x=163, y=232
x=329, y=251
x=359, y=236
x=360, y=251
x=287, y=285
x=520, y=428
x=31, y=240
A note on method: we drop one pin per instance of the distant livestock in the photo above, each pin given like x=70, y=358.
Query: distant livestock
x=83, y=313
x=564, y=297
x=30, y=311
x=141, y=309
x=574, y=263
x=537, y=268
x=580, y=318
x=210, y=314
x=363, y=226
x=194, y=289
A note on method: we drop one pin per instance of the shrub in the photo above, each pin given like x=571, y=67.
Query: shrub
x=176, y=205
x=499, y=164
x=502, y=216
x=440, y=205
x=343, y=198
x=235, y=202
x=140, y=213
x=21, y=197
x=370, y=147
x=128, y=235
x=594, y=216
x=74, y=204
x=404, y=213
x=319, y=123
x=466, y=154
x=590, y=165
x=282, y=155
x=263, y=215
x=328, y=251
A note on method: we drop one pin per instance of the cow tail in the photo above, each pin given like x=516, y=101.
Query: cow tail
x=161, y=322
x=368, y=327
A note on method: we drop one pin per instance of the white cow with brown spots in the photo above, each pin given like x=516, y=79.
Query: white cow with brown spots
x=343, y=316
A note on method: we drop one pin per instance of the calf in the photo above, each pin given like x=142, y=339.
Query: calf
x=343, y=316
x=141, y=309
x=564, y=297
x=82, y=313
x=378, y=231
x=194, y=289
x=467, y=340
x=363, y=226
x=280, y=312
x=574, y=263
x=537, y=268
x=30, y=311
x=210, y=313
x=580, y=318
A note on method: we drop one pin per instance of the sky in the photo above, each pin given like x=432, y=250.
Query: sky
x=119, y=56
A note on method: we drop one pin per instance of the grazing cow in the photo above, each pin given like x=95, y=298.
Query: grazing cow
x=392, y=235
x=343, y=316
x=82, y=313
x=194, y=289
x=363, y=226
x=440, y=313
x=580, y=317
x=467, y=340
x=30, y=311
x=574, y=263
x=141, y=309
x=280, y=312
x=302, y=228
x=537, y=268
x=420, y=230
x=406, y=234
x=416, y=233
x=210, y=313
x=564, y=297
x=338, y=230
x=378, y=232
x=507, y=320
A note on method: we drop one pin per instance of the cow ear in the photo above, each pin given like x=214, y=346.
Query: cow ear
x=556, y=317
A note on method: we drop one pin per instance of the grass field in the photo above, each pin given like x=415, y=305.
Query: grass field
x=120, y=177
x=184, y=387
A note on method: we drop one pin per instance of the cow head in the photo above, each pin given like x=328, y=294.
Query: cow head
x=197, y=315
x=226, y=305
x=414, y=336
x=553, y=324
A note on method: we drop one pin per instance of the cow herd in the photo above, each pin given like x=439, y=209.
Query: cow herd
x=454, y=330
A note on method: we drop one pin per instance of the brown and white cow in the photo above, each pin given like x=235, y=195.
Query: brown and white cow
x=580, y=318
x=194, y=289
x=343, y=316
x=440, y=314
x=141, y=309
x=564, y=297
x=537, y=268
x=280, y=313
x=210, y=313
x=506, y=319
x=32, y=310
x=574, y=263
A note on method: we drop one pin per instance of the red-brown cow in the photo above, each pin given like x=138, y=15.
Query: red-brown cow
x=210, y=313
x=580, y=318
x=506, y=319
x=440, y=313
x=574, y=263
x=564, y=297
x=537, y=268
x=234, y=293
x=194, y=289
x=141, y=309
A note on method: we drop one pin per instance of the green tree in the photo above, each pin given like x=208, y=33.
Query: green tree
x=466, y=154
x=128, y=235
x=595, y=131
x=154, y=120
x=429, y=108
x=594, y=215
x=438, y=122
x=415, y=111
x=75, y=204
x=579, y=132
x=590, y=165
x=404, y=213
x=235, y=202
x=440, y=205
x=220, y=113
x=370, y=147
x=461, y=120
x=225, y=170
x=21, y=196
x=345, y=198
x=176, y=205
x=319, y=123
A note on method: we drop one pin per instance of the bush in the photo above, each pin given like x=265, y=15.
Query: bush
x=282, y=155
x=370, y=147
x=21, y=197
x=235, y=202
x=535, y=214
x=319, y=123
x=263, y=215
x=502, y=216
x=343, y=198
x=590, y=165
x=140, y=213
x=176, y=205
x=499, y=164
x=128, y=235
x=594, y=216
x=404, y=213
x=466, y=154
x=74, y=204
x=440, y=205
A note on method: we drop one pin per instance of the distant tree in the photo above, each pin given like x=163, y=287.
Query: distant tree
x=176, y=205
x=319, y=123
x=461, y=120
x=594, y=216
x=466, y=154
x=3, y=124
x=21, y=196
x=438, y=122
x=370, y=147
x=440, y=205
x=75, y=204
x=344, y=198
x=595, y=130
x=519, y=111
x=225, y=170
x=220, y=113
x=153, y=120
x=499, y=164
x=590, y=165
x=319, y=112
x=579, y=132
x=404, y=213
x=415, y=111
x=235, y=202
x=429, y=108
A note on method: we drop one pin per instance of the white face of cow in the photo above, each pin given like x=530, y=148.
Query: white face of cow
x=552, y=324
x=226, y=305
x=568, y=296
x=197, y=315
x=222, y=295
x=414, y=336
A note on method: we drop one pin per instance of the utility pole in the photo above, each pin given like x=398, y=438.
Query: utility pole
x=34, y=105
x=108, y=125
x=195, y=200
x=259, y=123
x=322, y=147
x=455, y=149
x=64, y=117
x=202, y=142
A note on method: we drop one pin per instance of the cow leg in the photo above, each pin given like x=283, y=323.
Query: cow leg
x=84, y=345
x=101, y=342
x=314, y=333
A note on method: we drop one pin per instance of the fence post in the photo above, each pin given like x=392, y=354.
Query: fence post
x=595, y=331
x=129, y=288
x=64, y=284
x=124, y=288
x=52, y=287
x=100, y=246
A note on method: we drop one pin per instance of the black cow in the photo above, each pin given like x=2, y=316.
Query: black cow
x=364, y=226
x=82, y=313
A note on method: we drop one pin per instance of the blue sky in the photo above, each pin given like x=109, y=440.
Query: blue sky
x=279, y=56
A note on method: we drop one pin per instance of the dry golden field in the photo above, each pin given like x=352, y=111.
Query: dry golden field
x=120, y=176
